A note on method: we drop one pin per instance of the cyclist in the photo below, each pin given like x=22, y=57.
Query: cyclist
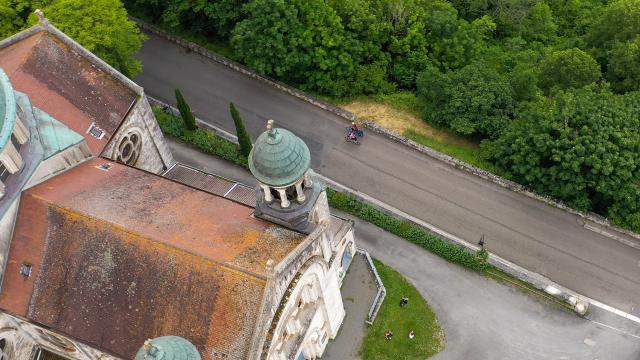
x=354, y=128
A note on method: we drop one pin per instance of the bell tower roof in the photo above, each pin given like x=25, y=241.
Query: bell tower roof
x=279, y=158
x=168, y=348
x=7, y=109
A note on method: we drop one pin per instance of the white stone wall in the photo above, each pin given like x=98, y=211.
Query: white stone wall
x=155, y=155
x=59, y=163
x=6, y=234
x=22, y=340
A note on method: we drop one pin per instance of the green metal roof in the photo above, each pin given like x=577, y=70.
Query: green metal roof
x=168, y=348
x=7, y=109
x=279, y=158
x=54, y=135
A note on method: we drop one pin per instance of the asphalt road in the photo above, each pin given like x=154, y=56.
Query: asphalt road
x=529, y=233
x=481, y=318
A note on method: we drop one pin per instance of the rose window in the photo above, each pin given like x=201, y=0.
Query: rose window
x=129, y=148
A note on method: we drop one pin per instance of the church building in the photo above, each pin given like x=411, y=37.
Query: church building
x=105, y=256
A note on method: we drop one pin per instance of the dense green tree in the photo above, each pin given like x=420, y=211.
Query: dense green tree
x=619, y=21
x=582, y=146
x=300, y=41
x=204, y=16
x=539, y=25
x=241, y=132
x=185, y=111
x=572, y=68
x=475, y=100
x=102, y=27
x=624, y=66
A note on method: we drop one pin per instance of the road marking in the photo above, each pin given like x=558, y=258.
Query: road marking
x=602, y=232
x=616, y=329
x=464, y=243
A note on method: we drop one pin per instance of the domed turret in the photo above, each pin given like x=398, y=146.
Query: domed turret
x=279, y=158
x=280, y=162
x=168, y=348
x=10, y=124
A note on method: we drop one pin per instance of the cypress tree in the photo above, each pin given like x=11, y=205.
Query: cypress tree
x=241, y=132
x=185, y=112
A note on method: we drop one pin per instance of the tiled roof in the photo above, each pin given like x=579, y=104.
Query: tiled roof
x=120, y=256
x=66, y=85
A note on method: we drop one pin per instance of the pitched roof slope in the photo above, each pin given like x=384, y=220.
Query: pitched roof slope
x=67, y=85
x=120, y=256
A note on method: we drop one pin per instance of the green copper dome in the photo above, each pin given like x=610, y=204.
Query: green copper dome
x=7, y=109
x=279, y=158
x=168, y=348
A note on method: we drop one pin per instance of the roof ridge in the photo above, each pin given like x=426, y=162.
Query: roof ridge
x=224, y=265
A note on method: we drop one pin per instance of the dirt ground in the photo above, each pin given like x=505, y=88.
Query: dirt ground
x=400, y=120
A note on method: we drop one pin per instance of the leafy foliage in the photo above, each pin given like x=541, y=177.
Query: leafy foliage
x=101, y=26
x=475, y=100
x=241, y=132
x=572, y=68
x=582, y=146
x=476, y=65
x=205, y=140
x=408, y=231
x=300, y=41
x=185, y=112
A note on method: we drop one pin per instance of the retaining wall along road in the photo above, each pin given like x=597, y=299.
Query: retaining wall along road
x=536, y=280
x=349, y=116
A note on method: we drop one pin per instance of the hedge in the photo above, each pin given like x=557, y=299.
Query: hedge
x=409, y=231
x=205, y=140
x=209, y=142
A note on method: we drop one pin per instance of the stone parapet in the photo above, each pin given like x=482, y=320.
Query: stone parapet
x=508, y=184
x=245, y=70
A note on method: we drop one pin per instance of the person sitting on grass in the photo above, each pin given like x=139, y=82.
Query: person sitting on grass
x=388, y=335
x=411, y=334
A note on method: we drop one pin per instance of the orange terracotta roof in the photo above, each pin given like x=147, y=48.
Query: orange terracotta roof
x=121, y=255
x=67, y=86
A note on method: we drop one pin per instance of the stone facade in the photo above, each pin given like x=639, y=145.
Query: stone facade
x=22, y=340
x=139, y=141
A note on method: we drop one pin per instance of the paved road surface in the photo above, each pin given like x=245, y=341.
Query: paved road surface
x=482, y=319
x=529, y=233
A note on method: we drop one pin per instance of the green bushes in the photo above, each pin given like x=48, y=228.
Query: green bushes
x=243, y=136
x=185, y=111
x=205, y=140
x=408, y=231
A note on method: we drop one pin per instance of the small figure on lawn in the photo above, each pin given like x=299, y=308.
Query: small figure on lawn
x=404, y=302
x=411, y=334
x=388, y=335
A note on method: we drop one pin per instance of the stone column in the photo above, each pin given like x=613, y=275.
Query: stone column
x=267, y=193
x=10, y=158
x=307, y=180
x=20, y=131
x=301, y=198
x=284, y=202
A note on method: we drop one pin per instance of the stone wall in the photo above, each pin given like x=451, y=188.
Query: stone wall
x=22, y=340
x=246, y=71
x=155, y=156
x=459, y=164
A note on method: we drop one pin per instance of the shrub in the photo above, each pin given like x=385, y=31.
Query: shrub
x=241, y=131
x=185, y=112
x=203, y=139
x=408, y=231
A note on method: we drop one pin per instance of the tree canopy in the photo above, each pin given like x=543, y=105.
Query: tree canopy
x=101, y=26
x=581, y=146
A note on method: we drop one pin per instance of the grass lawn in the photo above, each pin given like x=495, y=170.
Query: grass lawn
x=416, y=316
x=401, y=112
